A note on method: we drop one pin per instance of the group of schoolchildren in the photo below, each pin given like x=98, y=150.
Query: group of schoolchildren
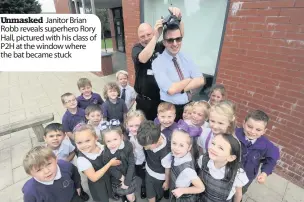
x=203, y=157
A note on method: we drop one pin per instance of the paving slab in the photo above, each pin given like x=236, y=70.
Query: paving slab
x=293, y=193
x=261, y=193
x=18, y=152
x=19, y=174
x=16, y=138
x=13, y=193
x=6, y=174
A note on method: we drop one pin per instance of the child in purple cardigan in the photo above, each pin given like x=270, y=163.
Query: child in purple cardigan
x=52, y=180
x=256, y=148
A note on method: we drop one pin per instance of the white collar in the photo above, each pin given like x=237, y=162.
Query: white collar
x=121, y=146
x=57, y=176
x=252, y=141
x=217, y=173
x=164, y=143
x=178, y=161
x=93, y=156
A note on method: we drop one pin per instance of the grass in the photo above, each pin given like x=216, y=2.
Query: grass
x=108, y=43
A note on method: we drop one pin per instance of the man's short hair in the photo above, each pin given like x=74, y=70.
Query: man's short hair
x=37, y=157
x=257, y=115
x=170, y=28
x=148, y=133
x=83, y=82
x=53, y=127
x=65, y=96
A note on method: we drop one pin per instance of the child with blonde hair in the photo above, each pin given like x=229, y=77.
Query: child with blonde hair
x=132, y=123
x=200, y=113
x=221, y=120
x=188, y=109
x=128, y=93
x=185, y=185
x=166, y=114
x=114, y=107
x=217, y=93
x=90, y=162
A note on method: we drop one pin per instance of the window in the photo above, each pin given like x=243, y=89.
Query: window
x=204, y=22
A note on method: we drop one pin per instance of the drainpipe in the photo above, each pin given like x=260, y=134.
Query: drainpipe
x=93, y=7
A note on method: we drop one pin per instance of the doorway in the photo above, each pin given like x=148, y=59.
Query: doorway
x=119, y=29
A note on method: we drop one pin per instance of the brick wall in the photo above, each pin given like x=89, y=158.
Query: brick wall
x=131, y=16
x=262, y=66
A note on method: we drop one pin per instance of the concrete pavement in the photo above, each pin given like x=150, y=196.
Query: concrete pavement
x=27, y=94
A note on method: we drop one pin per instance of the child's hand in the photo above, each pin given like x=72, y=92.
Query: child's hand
x=262, y=178
x=178, y=192
x=166, y=185
x=123, y=186
x=78, y=191
x=115, y=162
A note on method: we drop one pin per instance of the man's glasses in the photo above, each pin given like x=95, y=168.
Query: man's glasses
x=171, y=40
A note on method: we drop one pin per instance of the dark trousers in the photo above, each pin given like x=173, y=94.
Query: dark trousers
x=148, y=106
x=141, y=172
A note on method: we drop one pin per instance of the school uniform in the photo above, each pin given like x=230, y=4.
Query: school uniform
x=139, y=156
x=114, y=110
x=182, y=173
x=130, y=95
x=61, y=189
x=166, y=73
x=217, y=187
x=64, y=149
x=83, y=103
x=69, y=120
x=204, y=141
x=167, y=131
x=127, y=168
x=157, y=160
x=255, y=152
x=101, y=189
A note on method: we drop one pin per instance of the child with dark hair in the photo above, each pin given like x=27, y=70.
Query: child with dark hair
x=217, y=94
x=221, y=170
x=158, y=159
x=114, y=107
x=94, y=116
x=256, y=148
x=55, y=139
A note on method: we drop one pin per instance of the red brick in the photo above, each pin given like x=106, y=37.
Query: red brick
x=252, y=33
x=255, y=5
x=281, y=3
x=273, y=100
x=238, y=51
x=247, y=12
x=296, y=59
x=287, y=27
x=299, y=3
x=256, y=19
x=268, y=12
x=295, y=36
x=259, y=40
x=278, y=19
x=242, y=26
x=248, y=46
x=274, y=34
x=296, y=15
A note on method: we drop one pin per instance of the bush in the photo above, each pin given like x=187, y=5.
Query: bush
x=19, y=7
